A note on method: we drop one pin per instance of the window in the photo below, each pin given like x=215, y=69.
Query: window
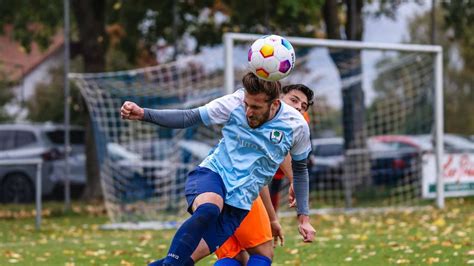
x=24, y=138
x=7, y=138
x=329, y=150
x=57, y=136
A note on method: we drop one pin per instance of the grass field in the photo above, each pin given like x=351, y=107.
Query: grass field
x=424, y=237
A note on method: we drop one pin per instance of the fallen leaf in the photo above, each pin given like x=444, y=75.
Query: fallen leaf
x=126, y=263
x=440, y=222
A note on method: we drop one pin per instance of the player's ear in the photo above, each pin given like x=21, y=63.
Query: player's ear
x=275, y=104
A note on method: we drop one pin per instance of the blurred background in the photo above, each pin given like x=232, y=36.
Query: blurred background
x=170, y=54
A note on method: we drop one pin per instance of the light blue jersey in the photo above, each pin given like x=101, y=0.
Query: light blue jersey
x=247, y=158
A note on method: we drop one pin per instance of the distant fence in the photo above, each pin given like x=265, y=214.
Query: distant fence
x=39, y=165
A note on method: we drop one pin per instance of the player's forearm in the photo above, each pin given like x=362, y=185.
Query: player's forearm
x=301, y=186
x=285, y=166
x=267, y=202
x=172, y=118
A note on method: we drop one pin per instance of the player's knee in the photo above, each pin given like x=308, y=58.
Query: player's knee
x=264, y=249
x=242, y=257
x=207, y=212
x=270, y=254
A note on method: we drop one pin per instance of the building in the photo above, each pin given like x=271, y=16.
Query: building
x=25, y=69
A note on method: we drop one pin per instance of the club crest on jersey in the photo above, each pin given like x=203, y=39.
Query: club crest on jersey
x=276, y=136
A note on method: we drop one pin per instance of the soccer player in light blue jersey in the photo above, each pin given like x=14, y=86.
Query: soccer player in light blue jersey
x=259, y=131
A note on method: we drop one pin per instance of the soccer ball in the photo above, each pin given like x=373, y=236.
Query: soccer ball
x=271, y=57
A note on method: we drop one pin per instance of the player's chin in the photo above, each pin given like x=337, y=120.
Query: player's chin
x=254, y=123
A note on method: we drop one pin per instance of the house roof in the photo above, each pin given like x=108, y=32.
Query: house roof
x=16, y=62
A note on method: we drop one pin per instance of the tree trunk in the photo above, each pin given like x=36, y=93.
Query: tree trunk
x=348, y=63
x=90, y=17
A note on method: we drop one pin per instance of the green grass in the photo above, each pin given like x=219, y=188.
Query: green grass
x=425, y=237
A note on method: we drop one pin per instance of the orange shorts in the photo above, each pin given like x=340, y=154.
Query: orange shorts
x=254, y=230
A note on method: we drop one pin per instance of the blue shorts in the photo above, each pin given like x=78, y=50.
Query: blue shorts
x=202, y=180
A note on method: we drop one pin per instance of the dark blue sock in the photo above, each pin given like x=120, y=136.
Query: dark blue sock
x=156, y=263
x=190, y=233
x=227, y=262
x=259, y=260
x=160, y=262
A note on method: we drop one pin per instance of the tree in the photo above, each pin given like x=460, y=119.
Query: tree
x=50, y=94
x=454, y=32
x=459, y=77
x=38, y=21
x=5, y=96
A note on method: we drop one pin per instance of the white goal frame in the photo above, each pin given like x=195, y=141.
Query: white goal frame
x=436, y=50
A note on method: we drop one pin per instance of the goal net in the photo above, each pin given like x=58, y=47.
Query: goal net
x=143, y=167
x=377, y=108
x=371, y=107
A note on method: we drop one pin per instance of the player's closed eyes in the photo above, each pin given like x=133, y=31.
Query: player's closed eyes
x=253, y=107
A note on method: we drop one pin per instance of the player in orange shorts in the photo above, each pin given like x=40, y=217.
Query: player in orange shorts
x=260, y=226
x=254, y=236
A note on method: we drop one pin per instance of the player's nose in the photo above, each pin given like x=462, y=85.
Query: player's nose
x=249, y=112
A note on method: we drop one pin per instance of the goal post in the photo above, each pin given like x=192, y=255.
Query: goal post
x=230, y=40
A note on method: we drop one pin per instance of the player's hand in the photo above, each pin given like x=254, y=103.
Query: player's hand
x=277, y=233
x=131, y=111
x=291, y=196
x=306, y=229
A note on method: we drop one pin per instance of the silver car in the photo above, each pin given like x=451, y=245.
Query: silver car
x=38, y=141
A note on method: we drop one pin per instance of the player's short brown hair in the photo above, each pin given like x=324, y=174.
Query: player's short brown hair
x=303, y=88
x=254, y=85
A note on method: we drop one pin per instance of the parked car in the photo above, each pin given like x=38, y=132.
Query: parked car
x=327, y=158
x=404, y=142
x=152, y=168
x=388, y=164
x=391, y=165
x=424, y=143
x=38, y=141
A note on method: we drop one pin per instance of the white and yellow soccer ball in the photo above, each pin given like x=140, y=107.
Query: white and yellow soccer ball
x=271, y=57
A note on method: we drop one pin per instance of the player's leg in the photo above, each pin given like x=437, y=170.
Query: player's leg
x=242, y=257
x=205, y=193
x=228, y=262
x=259, y=260
x=255, y=235
x=214, y=236
x=191, y=232
x=199, y=253
x=253, y=232
x=261, y=254
x=229, y=253
x=228, y=221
